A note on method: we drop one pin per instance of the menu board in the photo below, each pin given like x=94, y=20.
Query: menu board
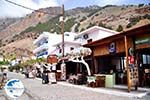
x=52, y=59
x=134, y=76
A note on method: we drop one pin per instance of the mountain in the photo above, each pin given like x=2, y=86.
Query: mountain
x=119, y=18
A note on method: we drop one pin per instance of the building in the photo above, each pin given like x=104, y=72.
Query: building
x=94, y=33
x=50, y=43
x=44, y=44
x=90, y=35
x=74, y=47
x=110, y=55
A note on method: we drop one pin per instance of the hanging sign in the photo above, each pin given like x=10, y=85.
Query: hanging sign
x=112, y=48
x=52, y=59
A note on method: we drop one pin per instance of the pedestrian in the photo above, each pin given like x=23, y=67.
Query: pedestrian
x=4, y=80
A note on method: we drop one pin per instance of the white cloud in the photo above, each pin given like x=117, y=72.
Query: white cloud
x=10, y=10
x=107, y=2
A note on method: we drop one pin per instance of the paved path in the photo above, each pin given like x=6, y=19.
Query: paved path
x=35, y=90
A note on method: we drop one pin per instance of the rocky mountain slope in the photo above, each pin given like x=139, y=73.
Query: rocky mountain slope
x=114, y=17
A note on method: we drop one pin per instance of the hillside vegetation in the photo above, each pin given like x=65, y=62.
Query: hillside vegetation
x=118, y=18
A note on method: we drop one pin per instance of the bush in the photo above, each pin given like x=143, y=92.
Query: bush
x=83, y=18
x=129, y=25
x=16, y=67
x=68, y=24
x=82, y=29
x=146, y=16
x=120, y=28
x=96, y=14
x=90, y=25
x=140, y=5
x=77, y=27
x=101, y=25
x=4, y=62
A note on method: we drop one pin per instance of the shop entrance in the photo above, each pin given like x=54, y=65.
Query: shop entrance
x=144, y=67
x=114, y=65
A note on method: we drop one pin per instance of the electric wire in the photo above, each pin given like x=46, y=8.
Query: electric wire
x=29, y=8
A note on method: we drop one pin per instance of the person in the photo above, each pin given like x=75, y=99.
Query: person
x=45, y=76
x=4, y=80
x=26, y=72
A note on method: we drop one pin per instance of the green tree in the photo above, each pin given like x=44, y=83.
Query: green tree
x=82, y=29
x=83, y=18
x=101, y=25
x=90, y=25
x=0, y=42
x=77, y=27
x=120, y=28
x=129, y=25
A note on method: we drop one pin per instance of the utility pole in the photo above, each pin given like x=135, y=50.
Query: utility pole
x=63, y=65
x=62, y=30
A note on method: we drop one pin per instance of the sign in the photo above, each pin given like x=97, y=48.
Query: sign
x=52, y=77
x=142, y=41
x=134, y=76
x=52, y=59
x=112, y=48
x=14, y=88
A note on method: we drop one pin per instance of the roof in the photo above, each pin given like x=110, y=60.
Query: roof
x=139, y=30
x=94, y=28
x=46, y=35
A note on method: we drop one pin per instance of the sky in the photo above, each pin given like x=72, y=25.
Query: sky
x=10, y=10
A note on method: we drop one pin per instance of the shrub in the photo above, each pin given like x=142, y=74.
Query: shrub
x=77, y=27
x=96, y=14
x=83, y=18
x=90, y=25
x=140, y=5
x=146, y=16
x=82, y=29
x=120, y=28
x=129, y=25
x=102, y=25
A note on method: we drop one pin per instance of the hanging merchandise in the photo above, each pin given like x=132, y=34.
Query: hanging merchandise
x=63, y=71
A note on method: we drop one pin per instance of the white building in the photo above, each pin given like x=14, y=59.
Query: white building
x=69, y=44
x=94, y=33
x=75, y=41
x=50, y=43
x=44, y=44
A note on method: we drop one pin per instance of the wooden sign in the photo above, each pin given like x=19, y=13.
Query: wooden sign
x=52, y=59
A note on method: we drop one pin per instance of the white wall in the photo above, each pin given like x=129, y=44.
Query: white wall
x=95, y=35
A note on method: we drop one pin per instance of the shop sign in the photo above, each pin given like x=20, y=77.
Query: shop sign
x=142, y=41
x=112, y=48
x=52, y=59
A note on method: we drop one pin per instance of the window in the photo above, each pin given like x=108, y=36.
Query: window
x=71, y=48
x=146, y=59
